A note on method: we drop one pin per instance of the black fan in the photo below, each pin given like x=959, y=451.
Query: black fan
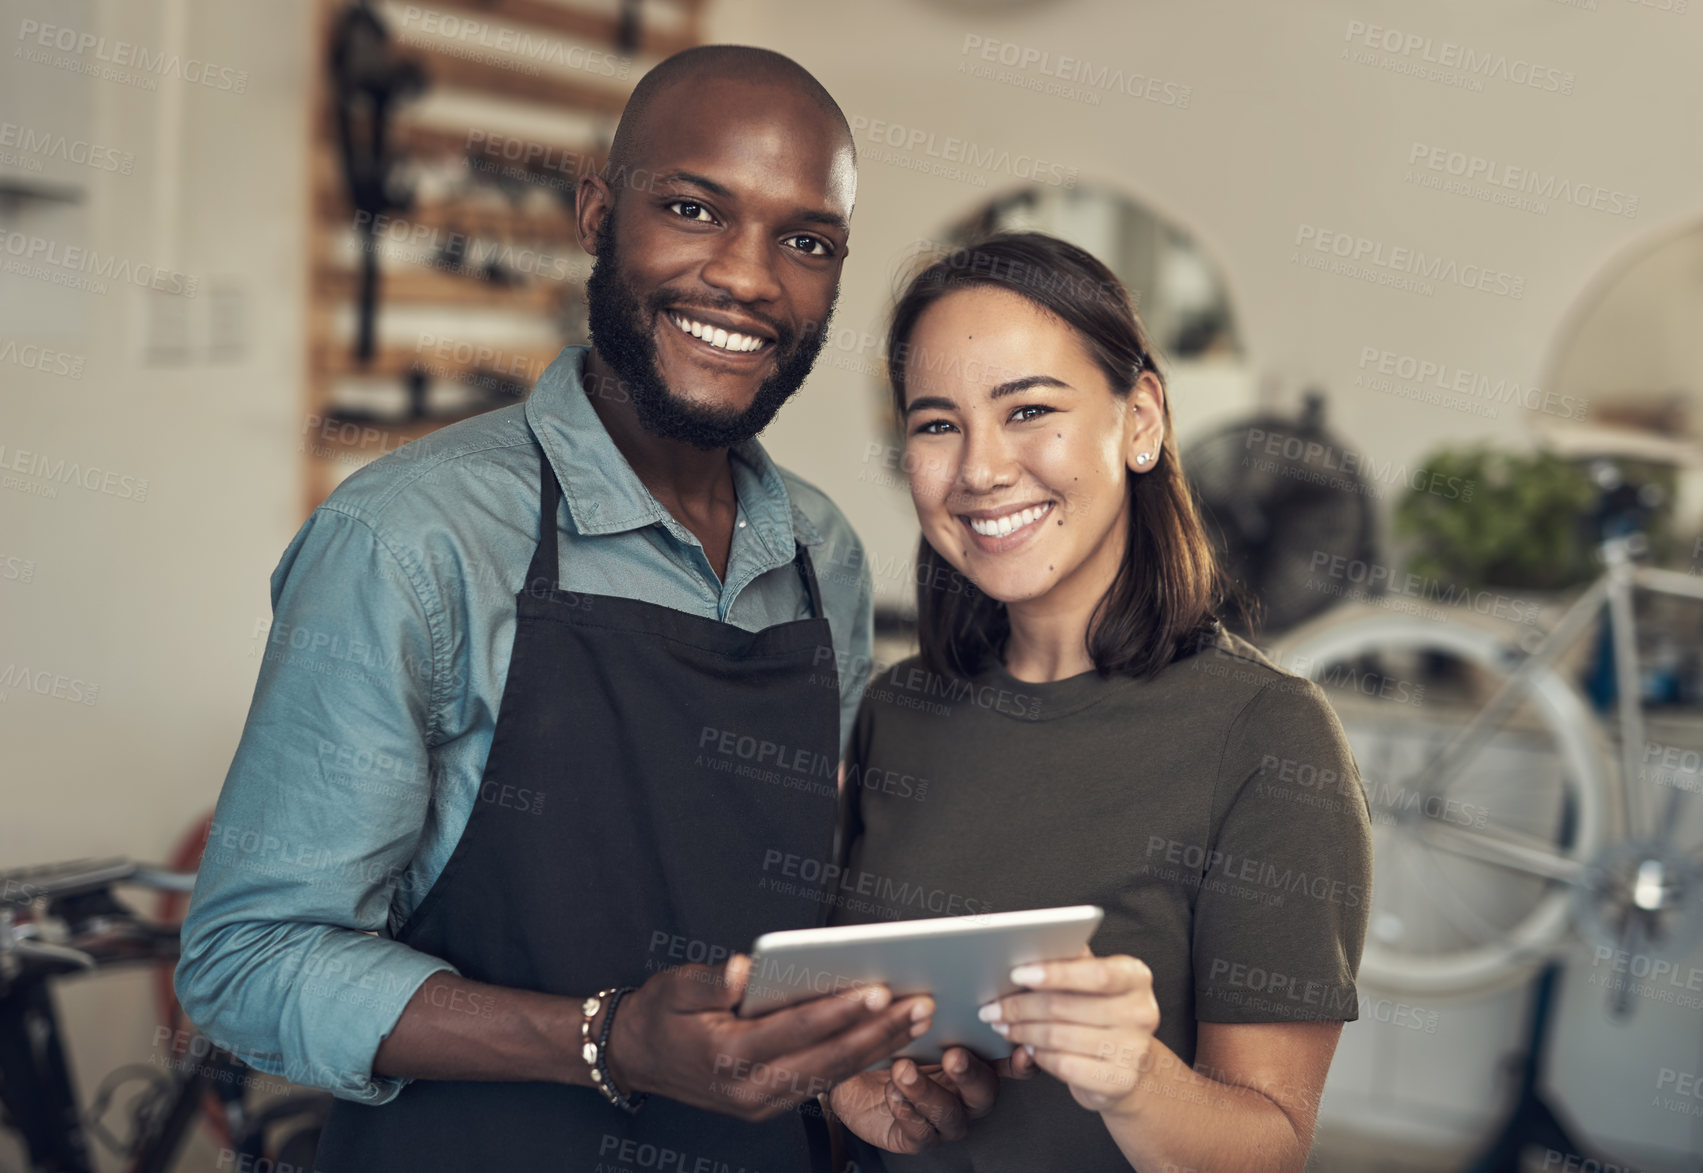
x=1281, y=499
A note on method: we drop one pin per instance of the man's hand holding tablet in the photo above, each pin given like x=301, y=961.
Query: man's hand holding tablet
x=678, y=1036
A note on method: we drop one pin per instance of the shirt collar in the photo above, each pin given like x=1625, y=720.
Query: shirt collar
x=603, y=493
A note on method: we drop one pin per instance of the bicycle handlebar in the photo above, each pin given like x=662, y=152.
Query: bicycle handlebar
x=53, y=881
x=98, y=929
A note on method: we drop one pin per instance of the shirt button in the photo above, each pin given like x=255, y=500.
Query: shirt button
x=741, y=523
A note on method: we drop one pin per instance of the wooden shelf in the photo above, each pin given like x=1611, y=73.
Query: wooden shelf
x=426, y=140
x=577, y=22
x=333, y=357
x=430, y=287
x=535, y=77
x=542, y=88
x=391, y=434
x=480, y=220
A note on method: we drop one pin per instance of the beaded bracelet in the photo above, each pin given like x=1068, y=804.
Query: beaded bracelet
x=596, y=1053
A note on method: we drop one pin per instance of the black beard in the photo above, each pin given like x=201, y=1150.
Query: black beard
x=621, y=329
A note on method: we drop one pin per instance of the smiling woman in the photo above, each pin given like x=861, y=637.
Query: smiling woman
x=1061, y=384
x=1061, y=559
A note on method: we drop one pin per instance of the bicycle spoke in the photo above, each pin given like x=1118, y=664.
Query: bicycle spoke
x=1509, y=849
x=1445, y=884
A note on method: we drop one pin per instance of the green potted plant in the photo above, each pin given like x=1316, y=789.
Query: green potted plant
x=1520, y=526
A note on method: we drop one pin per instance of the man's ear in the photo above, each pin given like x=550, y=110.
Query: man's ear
x=593, y=201
x=1146, y=437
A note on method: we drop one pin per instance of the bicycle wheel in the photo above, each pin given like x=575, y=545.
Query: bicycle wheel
x=1479, y=831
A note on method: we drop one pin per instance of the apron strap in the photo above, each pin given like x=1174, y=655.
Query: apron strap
x=541, y=574
x=807, y=571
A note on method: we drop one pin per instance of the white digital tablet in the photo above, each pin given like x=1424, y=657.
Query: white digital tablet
x=963, y=961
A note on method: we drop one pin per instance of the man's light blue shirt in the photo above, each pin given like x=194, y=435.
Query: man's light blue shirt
x=393, y=619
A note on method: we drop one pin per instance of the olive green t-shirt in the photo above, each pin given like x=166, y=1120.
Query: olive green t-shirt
x=1214, y=812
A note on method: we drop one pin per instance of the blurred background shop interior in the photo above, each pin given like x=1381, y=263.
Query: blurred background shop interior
x=1427, y=284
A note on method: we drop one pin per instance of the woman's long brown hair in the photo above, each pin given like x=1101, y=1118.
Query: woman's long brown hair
x=1162, y=601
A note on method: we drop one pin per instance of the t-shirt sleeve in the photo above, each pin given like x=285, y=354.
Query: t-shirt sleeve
x=1287, y=878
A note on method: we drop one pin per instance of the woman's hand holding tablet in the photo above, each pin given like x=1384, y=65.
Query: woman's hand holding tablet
x=964, y=962
x=1088, y=1022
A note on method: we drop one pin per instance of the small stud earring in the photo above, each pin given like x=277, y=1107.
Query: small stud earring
x=1143, y=458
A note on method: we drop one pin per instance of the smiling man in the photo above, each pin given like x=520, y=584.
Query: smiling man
x=508, y=762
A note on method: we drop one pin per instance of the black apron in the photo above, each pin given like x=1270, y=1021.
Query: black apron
x=652, y=777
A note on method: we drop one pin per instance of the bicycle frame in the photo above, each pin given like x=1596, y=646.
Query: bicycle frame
x=37, y=1095
x=1613, y=591
x=41, y=1105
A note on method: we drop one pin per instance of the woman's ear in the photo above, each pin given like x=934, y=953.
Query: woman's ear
x=1146, y=435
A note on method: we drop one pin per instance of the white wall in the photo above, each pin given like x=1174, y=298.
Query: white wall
x=157, y=600
x=154, y=599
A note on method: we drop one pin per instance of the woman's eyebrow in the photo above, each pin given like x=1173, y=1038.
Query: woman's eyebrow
x=1013, y=386
x=1009, y=387
x=930, y=403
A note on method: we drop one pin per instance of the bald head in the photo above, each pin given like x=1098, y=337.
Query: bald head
x=656, y=94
